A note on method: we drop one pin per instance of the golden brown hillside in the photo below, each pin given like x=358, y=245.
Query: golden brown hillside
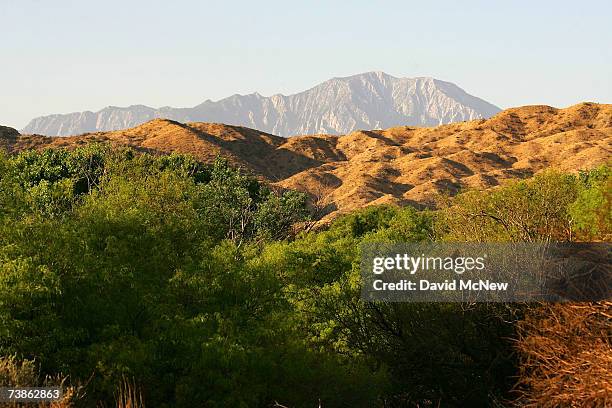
x=399, y=165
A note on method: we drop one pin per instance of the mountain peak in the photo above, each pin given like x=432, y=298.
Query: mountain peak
x=340, y=105
x=373, y=74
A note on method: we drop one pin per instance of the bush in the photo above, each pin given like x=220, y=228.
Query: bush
x=592, y=211
x=565, y=356
x=529, y=210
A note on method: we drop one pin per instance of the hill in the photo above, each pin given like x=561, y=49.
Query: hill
x=372, y=100
x=400, y=165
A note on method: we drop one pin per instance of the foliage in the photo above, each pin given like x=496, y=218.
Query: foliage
x=550, y=206
x=149, y=266
x=193, y=281
x=433, y=352
x=592, y=210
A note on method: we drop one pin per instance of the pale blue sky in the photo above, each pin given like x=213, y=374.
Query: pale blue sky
x=62, y=56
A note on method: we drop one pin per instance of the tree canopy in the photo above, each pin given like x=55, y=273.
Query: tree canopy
x=194, y=281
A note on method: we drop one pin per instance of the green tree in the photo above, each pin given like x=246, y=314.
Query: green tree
x=592, y=212
x=527, y=210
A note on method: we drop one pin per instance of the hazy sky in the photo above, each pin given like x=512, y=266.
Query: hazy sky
x=63, y=56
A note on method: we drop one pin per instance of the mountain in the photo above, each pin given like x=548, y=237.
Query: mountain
x=372, y=100
x=400, y=165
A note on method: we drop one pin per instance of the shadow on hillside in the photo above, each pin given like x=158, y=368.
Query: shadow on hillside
x=260, y=150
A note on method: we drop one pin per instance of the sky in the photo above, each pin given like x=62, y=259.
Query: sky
x=64, y=56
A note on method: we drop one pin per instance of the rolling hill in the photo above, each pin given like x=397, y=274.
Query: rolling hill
x=399, y=165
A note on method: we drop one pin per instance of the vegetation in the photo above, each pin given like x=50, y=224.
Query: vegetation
x=566, y=359
x=185, y=285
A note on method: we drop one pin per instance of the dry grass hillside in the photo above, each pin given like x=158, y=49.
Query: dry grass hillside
x=399, y=165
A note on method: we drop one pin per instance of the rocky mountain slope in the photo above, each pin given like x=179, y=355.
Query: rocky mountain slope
x=400, y=165
x=373, y=100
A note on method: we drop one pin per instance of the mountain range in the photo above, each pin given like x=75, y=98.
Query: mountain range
x=400, y=165
x=372, y=100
